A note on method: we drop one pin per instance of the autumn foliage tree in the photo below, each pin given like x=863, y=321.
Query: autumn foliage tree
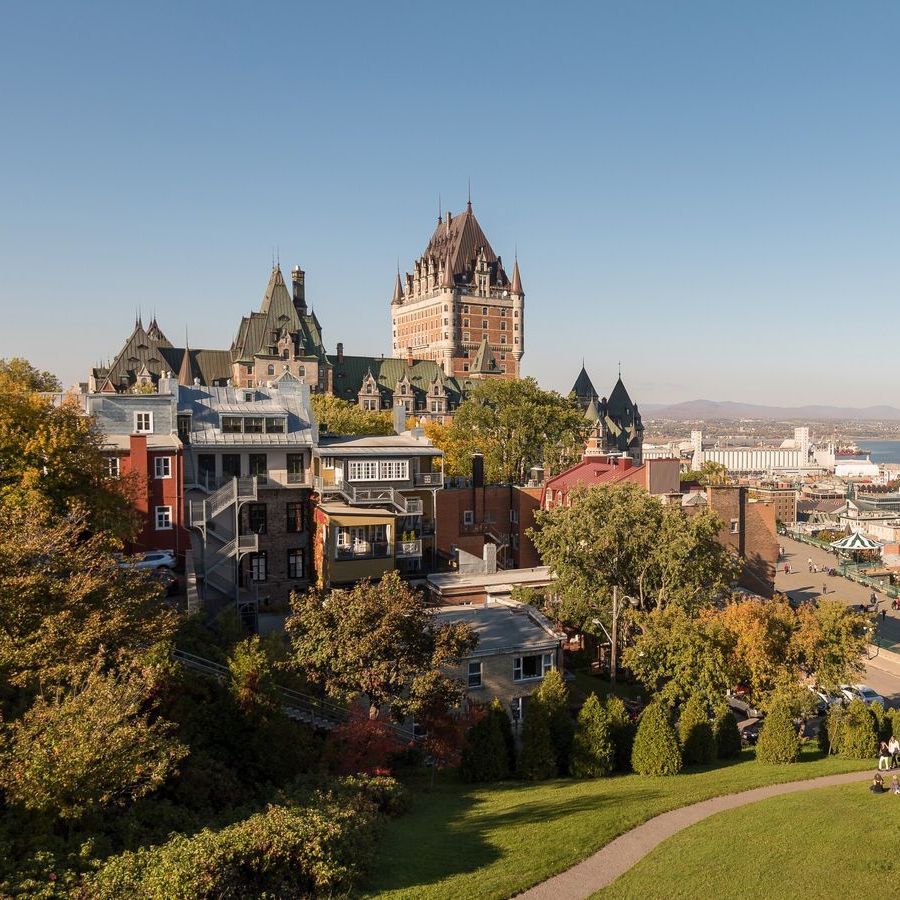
x=381, y=641
x=344, y=417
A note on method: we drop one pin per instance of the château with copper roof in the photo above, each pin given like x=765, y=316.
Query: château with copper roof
x=458, y=306
x=616, y=422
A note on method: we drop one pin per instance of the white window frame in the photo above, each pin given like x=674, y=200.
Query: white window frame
x=474, y=675
x=468, y=517
x=163, y=518
x=735, y=526
x=142, y=425
x=113, y=467
x=546, y=665
x=393, y=470
x=362, y=470
x=327, y=462
x=162, y=467
x=259, y=564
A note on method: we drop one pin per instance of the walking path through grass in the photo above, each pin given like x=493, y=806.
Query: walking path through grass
x=834, y=843
x=616, y=858
x=462, y=841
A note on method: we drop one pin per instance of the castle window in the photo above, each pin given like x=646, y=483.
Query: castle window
x=515, y=314
x=467, y=336
x=270, y=369
x=484, y=310
x=484, y=323
x=301, y=371
x=465, y=309
x=503, y=312
x=503, y=326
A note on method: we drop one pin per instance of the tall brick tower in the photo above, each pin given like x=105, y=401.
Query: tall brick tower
x=458, y=298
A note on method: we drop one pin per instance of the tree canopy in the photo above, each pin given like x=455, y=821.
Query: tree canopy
x=619, y=535
x=21, y=372
x=515, y=425
x=344, y=417
x=378, y=640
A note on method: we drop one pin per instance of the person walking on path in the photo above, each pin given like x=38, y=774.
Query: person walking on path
x=894, y=748
x=809, y=563
x=824, y=588
x=884, y=756
x=883, y=616
x=873, y=599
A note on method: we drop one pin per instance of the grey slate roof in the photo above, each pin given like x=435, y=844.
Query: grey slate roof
x=207, y=405
x=501, y=627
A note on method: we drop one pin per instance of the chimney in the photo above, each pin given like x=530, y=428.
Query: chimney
x=340, y=354
x=477, y=470
x=624, y=463
x=298, y=277
x=409, y=356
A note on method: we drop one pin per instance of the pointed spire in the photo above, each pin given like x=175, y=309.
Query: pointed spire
x=185, y=371
x=447, y=279
x=469, y=201
x=516, y=286
x=398, y=289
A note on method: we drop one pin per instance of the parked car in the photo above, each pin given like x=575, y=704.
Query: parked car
x=167, y=580
x=750, y=734
x=862, y=692
x=824, y=700
x=152, y=559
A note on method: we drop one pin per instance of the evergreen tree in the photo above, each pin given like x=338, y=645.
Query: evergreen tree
x=593, y=753
x=728, y=738
x=622, y=730
x=698, y=743
x=554, y=696
x=859, y=736
x=505, y=725
x=656, y=750
x=829, y=736
x=484, y=754
x=778, y=739
x=537, y=761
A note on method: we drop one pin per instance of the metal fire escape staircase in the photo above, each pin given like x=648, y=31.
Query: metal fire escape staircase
x=217, y=520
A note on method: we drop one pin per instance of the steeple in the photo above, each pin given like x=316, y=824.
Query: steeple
x=398, y=290
x=186, y=371
x=516, y=286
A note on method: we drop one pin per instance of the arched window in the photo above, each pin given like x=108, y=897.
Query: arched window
x=301, y=371
x=270, y=370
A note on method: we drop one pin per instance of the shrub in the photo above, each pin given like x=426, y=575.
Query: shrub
x=622, y=730
x=778, y=739
x=728, y=738
x=656, y=750
x=361, y=744
x=858, y=737
x=537, y=760
x=829, y=736
x=884, y=723
x=593, y=753
x=698, y=743
x=284, y=851
x=484, y=754
x=554, y=696
x=505, y=724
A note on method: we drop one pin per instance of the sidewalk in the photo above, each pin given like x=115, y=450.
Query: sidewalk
x=803, y=585
x=617, y=857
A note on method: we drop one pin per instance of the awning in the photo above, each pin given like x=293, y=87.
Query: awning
x=856, y=541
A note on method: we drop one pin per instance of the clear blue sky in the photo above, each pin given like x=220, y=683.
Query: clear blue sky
x=708, y=191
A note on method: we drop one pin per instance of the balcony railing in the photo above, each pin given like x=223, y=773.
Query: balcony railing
x=363, y=550
x=429, y=479
x=408, y=549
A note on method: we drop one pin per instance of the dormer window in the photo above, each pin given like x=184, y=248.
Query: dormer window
x=143, y=422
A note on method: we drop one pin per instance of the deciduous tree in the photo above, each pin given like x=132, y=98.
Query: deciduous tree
x=21, y=372
x=379, y=640
x=344, y=417
x=622, y=536
x=515, y=425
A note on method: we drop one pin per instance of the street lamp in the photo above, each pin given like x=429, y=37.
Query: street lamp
x=613, y=637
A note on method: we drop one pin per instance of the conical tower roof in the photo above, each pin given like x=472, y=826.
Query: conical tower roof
x=619, y=402
x=398, y=290
x=583, y=388
x=592, y=414
x=516, y=286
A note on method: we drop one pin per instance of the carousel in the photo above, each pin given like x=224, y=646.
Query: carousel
x=854, y=544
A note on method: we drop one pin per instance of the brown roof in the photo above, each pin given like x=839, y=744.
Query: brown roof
x=462, y=238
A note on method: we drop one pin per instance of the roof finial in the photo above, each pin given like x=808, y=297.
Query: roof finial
x=469, y=202
x=278, y=255
x=440, y=210
x=620, y=368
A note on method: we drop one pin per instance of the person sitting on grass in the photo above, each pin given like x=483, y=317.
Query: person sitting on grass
x=895, y=784
x=877, y=786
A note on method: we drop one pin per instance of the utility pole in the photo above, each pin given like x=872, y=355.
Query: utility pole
x=612, y=652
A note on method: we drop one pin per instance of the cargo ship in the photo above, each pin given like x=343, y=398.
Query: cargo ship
x=852, y=450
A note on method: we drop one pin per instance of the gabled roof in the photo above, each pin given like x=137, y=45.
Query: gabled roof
x=141, y=350
x=484, y=362
x=594, y=471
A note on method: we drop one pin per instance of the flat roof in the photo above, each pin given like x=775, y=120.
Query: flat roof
x=494, y=582
x=502, y=627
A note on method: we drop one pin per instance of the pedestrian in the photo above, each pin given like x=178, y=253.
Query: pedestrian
x=824, y=588
x=809, y=563
x=872, y=599
x=894, y=747
x=883, y=615
x=877, y=786
x=787, y=568
x=884, y=756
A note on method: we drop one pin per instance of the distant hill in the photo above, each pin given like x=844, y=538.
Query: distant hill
x=692, y=410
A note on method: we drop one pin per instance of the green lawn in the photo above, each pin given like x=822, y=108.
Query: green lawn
x=459, y=841
x=831, y=842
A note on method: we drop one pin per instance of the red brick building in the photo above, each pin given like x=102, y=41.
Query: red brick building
x=656, y=476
